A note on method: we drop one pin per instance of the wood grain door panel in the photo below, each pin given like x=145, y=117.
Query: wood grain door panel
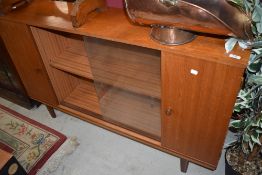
x=24, y=54
x=200, y=95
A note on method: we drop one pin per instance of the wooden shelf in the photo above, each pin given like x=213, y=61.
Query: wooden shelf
x=72, y=63
x=83, y=98
x=71, y=56
x=128, y=67
x=66, y=51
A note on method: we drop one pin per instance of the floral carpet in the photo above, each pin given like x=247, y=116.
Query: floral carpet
x=29, y=141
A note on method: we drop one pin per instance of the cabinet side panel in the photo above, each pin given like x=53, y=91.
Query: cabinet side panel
x=25, y=56
x=201, y=95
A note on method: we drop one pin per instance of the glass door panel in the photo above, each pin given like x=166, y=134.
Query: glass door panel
x=127, y=81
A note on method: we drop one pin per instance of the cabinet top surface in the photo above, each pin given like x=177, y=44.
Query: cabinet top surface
x=113, y=24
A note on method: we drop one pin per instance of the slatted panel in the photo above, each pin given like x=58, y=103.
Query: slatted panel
x=83, y=98
x=62, y=82
x=66, y=52
x=69, y=62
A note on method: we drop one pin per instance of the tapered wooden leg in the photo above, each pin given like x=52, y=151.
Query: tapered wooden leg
x=51, y=111
x=184, y=165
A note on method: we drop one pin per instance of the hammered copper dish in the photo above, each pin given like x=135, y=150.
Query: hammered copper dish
x=207, y=16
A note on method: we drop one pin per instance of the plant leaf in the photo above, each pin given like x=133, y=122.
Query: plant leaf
x=246, y=138
x=259, y=131
x=230, y=44
x=256, y=16
x=255, y=138
x=238, y=3
x=255, y=66
x=251, y=145
x=236, y=124
x=259, y=26
x=255, y=79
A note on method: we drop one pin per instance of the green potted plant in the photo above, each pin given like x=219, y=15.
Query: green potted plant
x=243, y=156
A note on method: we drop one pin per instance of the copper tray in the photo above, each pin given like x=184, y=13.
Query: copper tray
x=208, y=16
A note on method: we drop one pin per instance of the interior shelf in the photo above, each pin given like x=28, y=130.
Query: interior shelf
x=83, y=98
x=72, y=63
x=64, y=51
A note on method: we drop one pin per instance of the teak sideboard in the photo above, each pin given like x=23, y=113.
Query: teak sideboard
x=178, y=99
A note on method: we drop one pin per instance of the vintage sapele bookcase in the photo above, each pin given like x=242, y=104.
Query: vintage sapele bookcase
x=177, y=99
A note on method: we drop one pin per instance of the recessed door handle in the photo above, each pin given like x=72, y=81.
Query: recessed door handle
x=169, y=111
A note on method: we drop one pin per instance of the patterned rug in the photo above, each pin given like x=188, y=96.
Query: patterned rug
x=29, y=141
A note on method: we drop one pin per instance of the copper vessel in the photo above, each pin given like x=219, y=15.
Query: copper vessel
x=207, y=16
